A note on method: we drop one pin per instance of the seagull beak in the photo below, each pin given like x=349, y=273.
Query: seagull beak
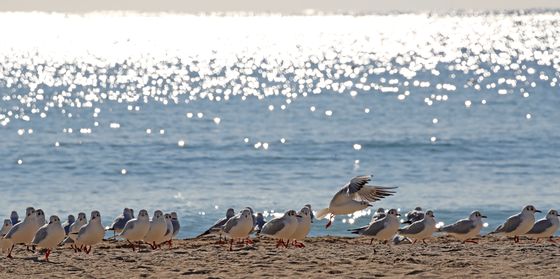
x=536, y=210
x=369, y=205
x=483, y=216
x=398, y=215
x=299, y=216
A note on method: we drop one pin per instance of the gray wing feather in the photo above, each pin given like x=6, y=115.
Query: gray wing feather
x=128, y=226
x=540, y=226
x=415, y=228
x=13, y=230
x=374, y=228
x=40, y=235
x=460, y=227
x=273, y=226
x=232, y=222
x=510, y=225
x=119, y=223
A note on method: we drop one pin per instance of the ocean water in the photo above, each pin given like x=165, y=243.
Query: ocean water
x=196, y=114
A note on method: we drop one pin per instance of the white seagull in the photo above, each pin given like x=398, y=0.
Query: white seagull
x=118, y=224
x=281, y=228
x=156, y=233
x=74, y=230
x=303, y=227
x=354, y=196
x=5, y=244
x=382, y=229
x=90, y=234
x=49, y=236
x=518, y=224
x=420, y=230
x=546, y=227
x=22, y=232
x=216, y=228
x=168, y=237
x=465, y=229
x=239, y=227
x=135, y=229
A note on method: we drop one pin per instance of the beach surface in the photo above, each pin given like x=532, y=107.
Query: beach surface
x=323, y=257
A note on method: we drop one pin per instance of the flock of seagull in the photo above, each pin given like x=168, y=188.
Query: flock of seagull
x=291, y=228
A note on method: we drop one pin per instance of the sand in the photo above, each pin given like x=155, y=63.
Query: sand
x=323, y=257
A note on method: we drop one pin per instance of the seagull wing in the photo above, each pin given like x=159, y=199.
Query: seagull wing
x=540, y=226
x=232, y=222
x=460, y=227
x=414, y=228
x=273, y=226
x=510, y=225
x=357, y=189
x=40, y=235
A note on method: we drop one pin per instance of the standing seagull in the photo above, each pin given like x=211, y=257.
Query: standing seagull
x=281, y=228
x=382, y=229
x=354, y=196
x=465, y=229
x=168, y=237
x=420, y=230
x=5, y=244
x=216, y=228
x=546, y=227
x=49, y=235
x=175, y=223
x=74, y=230
x=68, y=223
x=22, y=232
x=90, y=234
x=303, y=227
x=518, y=224
x=239, y=227
x=120, y=221
x=157, y=230
x=135, y=229
x=14, y=217
x=414, y=215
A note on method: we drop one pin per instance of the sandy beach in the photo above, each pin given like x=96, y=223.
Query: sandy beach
x=322, y=257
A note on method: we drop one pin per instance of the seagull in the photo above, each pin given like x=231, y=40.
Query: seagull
x=379, y=214
x=216, y=228
x=168, y=237
x=40, y=218
x=49, y=235
x=303, y=227
x=414, y=215
x=546, y=227
x=382, y=229
x=354, y=196
x=120, y=221
x=135, y=229
x=156, y=233
x=14, y=217
x=90, y=234
x=66, y=225
x=465, y=229
x=253, y=217
x=239, y=227
x=261, y=222
x=175, y=222
x=420, y=230
x=282, y=228
x=310, y=210
x=22, y=232
x=5, y=244
x=74, y=230
x=518, y=224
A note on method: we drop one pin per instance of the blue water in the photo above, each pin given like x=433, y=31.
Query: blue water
x=452, y=150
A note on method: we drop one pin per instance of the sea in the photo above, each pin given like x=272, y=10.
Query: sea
x=200, y=113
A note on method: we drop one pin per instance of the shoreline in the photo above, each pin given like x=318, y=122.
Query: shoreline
x=326, y=256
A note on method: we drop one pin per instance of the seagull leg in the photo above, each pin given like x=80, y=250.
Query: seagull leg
x=47, y=253
x=132, y=245
x=231, y=244
x=371, y=242
x=10, y=253
x=248, y=241
x=551, y=239
x=287, y=243
x=516, y=239
x=330, y=221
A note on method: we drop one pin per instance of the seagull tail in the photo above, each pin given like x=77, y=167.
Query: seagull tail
x=203, y=234
x=408, y=222
x=322, y=213
x=67, y=240
x=355, y=231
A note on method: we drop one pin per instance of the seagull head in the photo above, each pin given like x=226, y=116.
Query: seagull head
x=552, y=214
x=230, y=213
x=54, y=220
x=7, y=223
x=530, y=209
x=430, y=214
x=71, y=218
x=29, y=211
x=158, y=214
x=476, y=215
x=173, y=215
x=95, y=215
x=393, y=212
x=81, y=216
x=143, y=215
x=246, y=213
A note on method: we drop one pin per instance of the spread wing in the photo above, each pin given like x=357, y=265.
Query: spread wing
x=540, y=226
x=414, y=228
x=273, y=226
x=232, y=222
x=40, y=235
x=357, y=189
x=510, y=225
x=460, y=227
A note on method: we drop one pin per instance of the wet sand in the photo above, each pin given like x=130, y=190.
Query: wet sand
x=323, y=257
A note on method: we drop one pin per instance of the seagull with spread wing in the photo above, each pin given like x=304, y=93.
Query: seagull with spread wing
x=354, y=196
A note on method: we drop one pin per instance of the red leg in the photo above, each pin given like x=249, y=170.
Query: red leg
x=516, y=239
x=414, y=241
x=47, y=254
x=10, y=253
x=248, y=241
x=551, y=239
x=371, y=242
x=170, y=243
x=330, y=221
x=231, y=244
x=471, y=241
